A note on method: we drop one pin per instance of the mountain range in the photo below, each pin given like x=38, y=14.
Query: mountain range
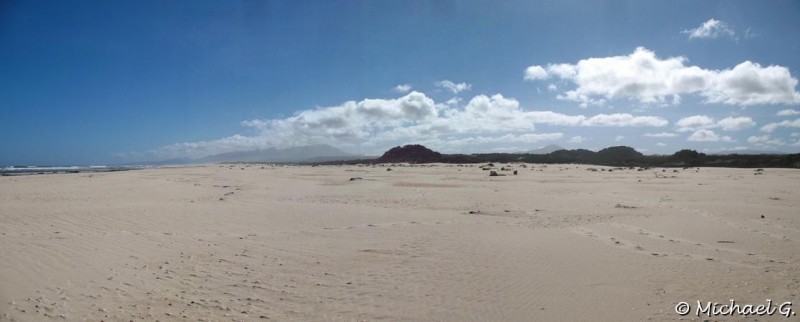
x=309, y=153
x=546, y=149
x=299, y=154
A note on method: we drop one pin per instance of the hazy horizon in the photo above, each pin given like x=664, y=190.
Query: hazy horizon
x=116, y=82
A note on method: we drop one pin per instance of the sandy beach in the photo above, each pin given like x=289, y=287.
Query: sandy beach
x=422, y=243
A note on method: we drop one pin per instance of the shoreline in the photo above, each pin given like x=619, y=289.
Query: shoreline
x=61, y=170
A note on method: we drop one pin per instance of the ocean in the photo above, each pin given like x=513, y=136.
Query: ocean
x=32, y=169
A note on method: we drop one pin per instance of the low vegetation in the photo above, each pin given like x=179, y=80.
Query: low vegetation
x=611, y=156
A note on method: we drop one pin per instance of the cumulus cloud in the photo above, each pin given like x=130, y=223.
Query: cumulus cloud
x=453, y=87
x=735, y=123
x=402, y=88
x=711, y=29
x=646, y=78
x=696, y=122
x=472, y=141
x=535, y=72
x=497, y=113
x=751, y=84
x=619, y=138
x=708, y=136
x=787, y=112
x=660, y=135
x=370, y=125
x=758, y=139
x=453, y=101
x=624, y=119
x=769, y=127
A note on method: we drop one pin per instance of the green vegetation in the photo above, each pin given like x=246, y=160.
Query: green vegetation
x=612, y=156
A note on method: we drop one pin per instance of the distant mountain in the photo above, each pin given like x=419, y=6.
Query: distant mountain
x=547, y=149
x=178, y=161
x=307, y=153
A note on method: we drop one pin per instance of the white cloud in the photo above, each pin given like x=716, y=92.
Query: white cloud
x=696, y=122
x=787, y=112
x=704, y=135
x=552, y=87
x=507, y=113
x=735, y=123
x=660, y=135
x=565, y=71
x=661, y=144
x=624, y=119
x=619, y=138
x=370, y=125
x=765, y=140
x=531, y=137
x=711, y=29
x=644, y=77
x=750, y=84
x=508, y=138
x=769, y=127
x=577, y=139
x=535, y=72
x=453, y=101
x=453, y=87
x=488, y=143
x=758, y=139
x=402, y=88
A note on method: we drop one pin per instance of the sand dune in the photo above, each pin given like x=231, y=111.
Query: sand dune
x=440, y=242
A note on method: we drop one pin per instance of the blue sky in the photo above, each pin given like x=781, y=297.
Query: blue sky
x=121, y=81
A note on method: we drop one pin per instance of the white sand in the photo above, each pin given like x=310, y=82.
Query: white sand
x=304, y=243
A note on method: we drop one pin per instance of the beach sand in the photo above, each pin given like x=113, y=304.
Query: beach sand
x=424, y=243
